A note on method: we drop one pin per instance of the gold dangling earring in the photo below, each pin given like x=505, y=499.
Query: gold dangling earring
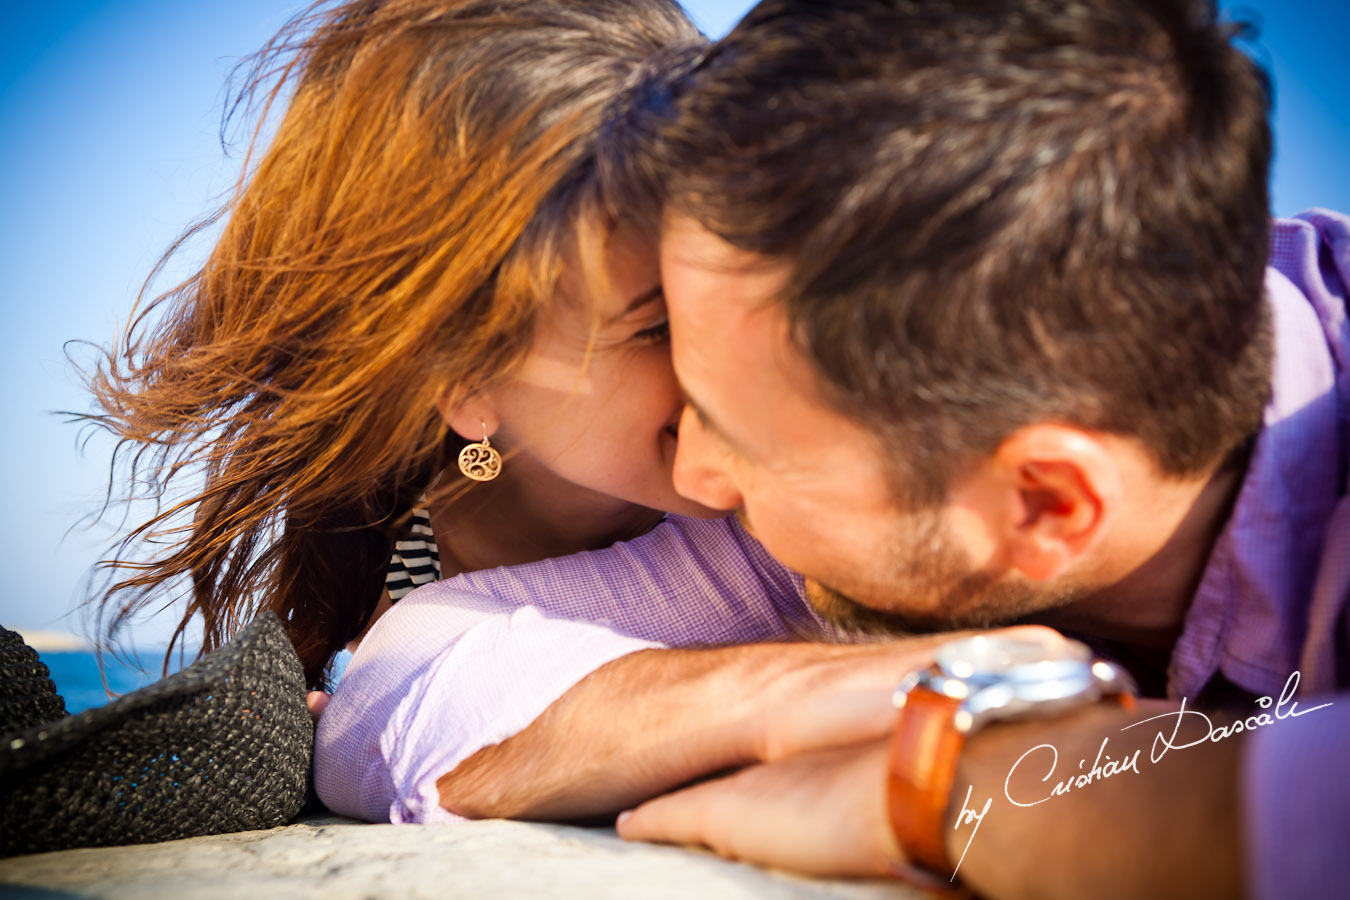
x=481, y=462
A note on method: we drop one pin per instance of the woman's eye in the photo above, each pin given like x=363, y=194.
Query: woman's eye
x=655, y=334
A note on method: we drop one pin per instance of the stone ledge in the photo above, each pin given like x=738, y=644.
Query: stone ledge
x=328, y=858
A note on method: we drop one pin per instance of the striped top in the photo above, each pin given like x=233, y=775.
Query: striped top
x=416, y=561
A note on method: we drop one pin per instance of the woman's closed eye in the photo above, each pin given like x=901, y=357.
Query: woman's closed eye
x=653, y=334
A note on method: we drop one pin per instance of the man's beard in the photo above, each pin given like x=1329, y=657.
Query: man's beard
x=934, y=588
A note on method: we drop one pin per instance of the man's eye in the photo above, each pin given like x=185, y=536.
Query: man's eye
x=655, y=334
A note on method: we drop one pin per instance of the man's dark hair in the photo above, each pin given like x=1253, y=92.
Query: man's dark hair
x=998, y=212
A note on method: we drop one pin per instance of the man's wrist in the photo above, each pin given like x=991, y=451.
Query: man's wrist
x=1011, y=852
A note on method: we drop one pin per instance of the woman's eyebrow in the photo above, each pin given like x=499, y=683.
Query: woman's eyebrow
x=639, y=301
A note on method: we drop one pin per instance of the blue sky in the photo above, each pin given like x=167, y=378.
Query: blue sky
x=109, y=116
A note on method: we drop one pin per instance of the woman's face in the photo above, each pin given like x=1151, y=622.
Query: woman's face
x=595, y=403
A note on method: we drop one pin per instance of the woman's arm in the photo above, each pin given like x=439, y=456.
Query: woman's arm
x=467, y=663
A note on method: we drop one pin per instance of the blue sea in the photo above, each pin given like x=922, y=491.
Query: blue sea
x=78, y=681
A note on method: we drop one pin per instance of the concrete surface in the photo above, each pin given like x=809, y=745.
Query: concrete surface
x=328, y=858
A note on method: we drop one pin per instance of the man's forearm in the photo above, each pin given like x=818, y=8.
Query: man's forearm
x=655, y=719
x=1171, y=830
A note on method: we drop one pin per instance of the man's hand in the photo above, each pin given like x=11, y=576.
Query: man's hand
x=841, y=699
x=822, y=813
x=657, y=719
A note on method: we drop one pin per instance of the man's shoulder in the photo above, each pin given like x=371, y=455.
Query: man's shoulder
x=1312, y=250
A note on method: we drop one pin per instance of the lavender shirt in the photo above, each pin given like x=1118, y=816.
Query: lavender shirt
x=465, y=663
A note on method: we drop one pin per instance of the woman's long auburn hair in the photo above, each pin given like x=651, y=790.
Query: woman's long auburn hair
x=390, y=248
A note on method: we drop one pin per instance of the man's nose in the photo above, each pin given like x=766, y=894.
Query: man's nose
x=700, y=468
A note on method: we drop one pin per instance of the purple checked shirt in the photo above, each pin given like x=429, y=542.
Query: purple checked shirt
x=465, y=663
x=1275, y=597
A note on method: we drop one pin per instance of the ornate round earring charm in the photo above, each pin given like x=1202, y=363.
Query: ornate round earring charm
x=481, y=462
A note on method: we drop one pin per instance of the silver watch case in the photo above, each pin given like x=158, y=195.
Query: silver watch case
x=1027, y=674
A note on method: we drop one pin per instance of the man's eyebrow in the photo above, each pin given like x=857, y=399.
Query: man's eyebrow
x=709, y=423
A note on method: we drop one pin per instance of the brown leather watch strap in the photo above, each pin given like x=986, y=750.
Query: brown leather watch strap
x=924, y=749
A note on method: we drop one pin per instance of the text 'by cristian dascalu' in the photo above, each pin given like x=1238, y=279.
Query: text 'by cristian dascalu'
x=1105, y=766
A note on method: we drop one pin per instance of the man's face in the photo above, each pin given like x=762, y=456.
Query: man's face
x=758, y=435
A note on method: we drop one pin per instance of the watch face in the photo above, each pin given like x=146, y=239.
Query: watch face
x=1014, y=674
x=1033, y=655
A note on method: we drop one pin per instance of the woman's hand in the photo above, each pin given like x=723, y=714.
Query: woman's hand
x=317, y=701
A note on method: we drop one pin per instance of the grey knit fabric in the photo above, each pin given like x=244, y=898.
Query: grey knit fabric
x=224, y=745
x=27, y=694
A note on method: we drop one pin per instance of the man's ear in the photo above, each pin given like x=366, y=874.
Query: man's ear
x=472, y=418
x=1061, y=486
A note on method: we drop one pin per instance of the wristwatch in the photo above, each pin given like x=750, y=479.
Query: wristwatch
x=1021, y=674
